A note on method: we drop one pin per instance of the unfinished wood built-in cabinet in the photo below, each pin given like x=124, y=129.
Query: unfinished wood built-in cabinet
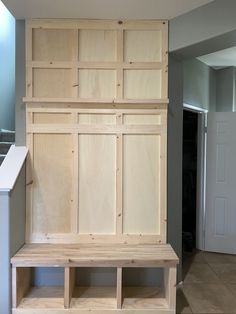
x=96, y=106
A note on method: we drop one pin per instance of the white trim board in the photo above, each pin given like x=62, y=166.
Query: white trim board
x=194, y=108
x=11, y=166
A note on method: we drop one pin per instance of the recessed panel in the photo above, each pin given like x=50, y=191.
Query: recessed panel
x=52, y=183
x=52, y=83
x=97, y=119
x=52, y=44
x=97, y=45
x=97, y=174
x=141, y=184
x=221, y=163
x=220, y=216
x=142, y=46
x=142, y=119
x=97, y=83
x=52, y=118
x=142, y=84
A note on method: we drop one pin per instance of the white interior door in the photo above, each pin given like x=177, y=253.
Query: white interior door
x=220, y=228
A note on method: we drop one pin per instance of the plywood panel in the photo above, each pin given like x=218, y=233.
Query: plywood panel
x=52, y=83
x=141, y=197
x=51, y=118
x=97, y=83
x=97, y=45
x=97, y=119
x=52, y=183
x=97, y=173
x=52, y=44
x=142, y=119
x=142, y=84
x=142, y=45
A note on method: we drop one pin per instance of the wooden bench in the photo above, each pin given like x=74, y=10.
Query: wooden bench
x=69, y=298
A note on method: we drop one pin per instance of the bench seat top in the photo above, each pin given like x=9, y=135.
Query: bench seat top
x=95, y=255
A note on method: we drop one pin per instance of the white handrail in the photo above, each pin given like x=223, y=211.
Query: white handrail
x=11, y=167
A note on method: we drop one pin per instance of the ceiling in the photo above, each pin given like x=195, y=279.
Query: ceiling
x=220, y=59
x=102, y=9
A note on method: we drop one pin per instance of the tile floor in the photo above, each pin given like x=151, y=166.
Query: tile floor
x=209, y=284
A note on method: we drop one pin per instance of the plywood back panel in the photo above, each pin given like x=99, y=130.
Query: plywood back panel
x=97, y=179
x=52, y=183
x=142, y=84
x=96, y=174
x=52, y=44
x=52, y=83
x=97, y=45
x=141, y=185
x=97, y=84
x=142, y=46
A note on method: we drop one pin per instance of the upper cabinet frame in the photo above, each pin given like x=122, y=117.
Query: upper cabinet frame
x=96, y=61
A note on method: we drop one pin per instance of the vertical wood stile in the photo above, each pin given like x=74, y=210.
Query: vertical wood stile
x=120, y=58
x=170, y=286
x=29, y=176
x=119, y=288
x=119, y=177
x=74, y=70
x=163, y=181
x=29, y=57
x=75, y=182
x=69, y=285
x=164, y=76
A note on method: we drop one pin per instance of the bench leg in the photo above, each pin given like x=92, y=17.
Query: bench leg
x=170, y=286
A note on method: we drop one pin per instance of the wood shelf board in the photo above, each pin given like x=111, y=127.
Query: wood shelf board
x=95, y=255
x=94, y=298
x=96, y=101
x=43, y=298
x=144, y=297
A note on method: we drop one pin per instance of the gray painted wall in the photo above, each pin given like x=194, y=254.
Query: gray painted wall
x=7, y=69
x=199, y=87
x=225, y=89
x=12, y=230
x=204, y=23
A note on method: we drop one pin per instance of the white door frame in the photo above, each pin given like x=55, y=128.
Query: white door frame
x=201, y=174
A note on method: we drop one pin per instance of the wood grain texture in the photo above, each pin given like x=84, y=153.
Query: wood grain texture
x=142, y=84
x=52, y=183
x=119, y=289
x=51, y=118
x=97, y=83
x=52, y=44
x=52, y=83
x=97, y=184
x=100, y=169
x=142, y=46
x=97, y=45
x=21, y=282
x=69, y=286
x=104, y=255
x=80, y=48
x=141, y=186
